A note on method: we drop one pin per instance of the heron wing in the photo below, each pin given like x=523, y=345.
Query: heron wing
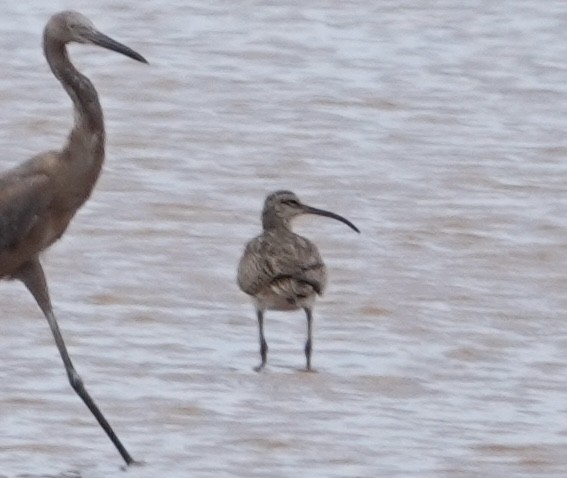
x=286, y=266
x=22, y=199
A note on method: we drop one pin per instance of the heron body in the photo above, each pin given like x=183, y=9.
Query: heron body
x=282, y=270
x=39, y=198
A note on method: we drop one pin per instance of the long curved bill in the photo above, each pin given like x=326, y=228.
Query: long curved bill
x=322, y=212
x=100, y=39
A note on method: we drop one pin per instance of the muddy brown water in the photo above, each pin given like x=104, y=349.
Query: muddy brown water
x=437, y=127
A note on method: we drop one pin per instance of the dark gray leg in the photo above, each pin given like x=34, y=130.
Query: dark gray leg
x=263, y=344
x=33, y=277
x=309, y=342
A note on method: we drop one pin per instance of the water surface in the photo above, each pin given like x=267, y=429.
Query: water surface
x=437, y=127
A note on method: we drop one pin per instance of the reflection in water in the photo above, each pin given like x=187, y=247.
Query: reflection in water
x=440, y=345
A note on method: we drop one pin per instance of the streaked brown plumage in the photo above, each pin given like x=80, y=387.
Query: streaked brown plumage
x=39, y=198
x=282, y=270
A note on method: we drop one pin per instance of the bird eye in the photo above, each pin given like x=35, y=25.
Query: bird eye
x=292, y=202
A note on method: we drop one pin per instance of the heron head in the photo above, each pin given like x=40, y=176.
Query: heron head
x=70, y=26
x=281, y=207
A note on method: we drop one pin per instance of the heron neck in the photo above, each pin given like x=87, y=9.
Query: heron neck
x=88, y=130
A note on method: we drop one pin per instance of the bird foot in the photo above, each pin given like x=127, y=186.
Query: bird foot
x=133, y=464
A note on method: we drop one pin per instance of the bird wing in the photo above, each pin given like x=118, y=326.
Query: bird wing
x=286, y=266
x=22, y=199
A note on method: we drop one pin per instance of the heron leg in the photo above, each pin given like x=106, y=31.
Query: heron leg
x=309, y=342
x=263, y=343
x=34, y=279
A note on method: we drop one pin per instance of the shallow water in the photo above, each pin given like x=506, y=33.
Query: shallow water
x=437, y=127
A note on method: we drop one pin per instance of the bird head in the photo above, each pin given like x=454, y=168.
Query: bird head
x=281, y=207
x=69, y=26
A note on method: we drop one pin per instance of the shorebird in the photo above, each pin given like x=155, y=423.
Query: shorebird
x=282, y=270
x=39, y=198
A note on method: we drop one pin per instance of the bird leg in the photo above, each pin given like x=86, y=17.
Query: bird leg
x=34, y=279
x=309, y=341
x=263, y=344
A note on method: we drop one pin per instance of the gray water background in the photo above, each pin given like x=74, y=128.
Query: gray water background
x=438, y=127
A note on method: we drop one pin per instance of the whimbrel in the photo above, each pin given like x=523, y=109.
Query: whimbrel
x=282, y=270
